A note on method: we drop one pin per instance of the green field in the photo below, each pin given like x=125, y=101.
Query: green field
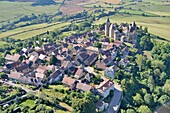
x=11, y=10
x=33, y=30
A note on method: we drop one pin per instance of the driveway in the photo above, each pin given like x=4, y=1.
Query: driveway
x=115, y=102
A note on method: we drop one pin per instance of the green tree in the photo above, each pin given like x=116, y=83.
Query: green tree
x=2, y=75
x=138, y=99
x=163, y=99
x=146, y=43
x=98, y=45
x=166, y=87
x=141, y=61
x=53, y=60
x=130, y=111
x=148, y=98
x=144, y=109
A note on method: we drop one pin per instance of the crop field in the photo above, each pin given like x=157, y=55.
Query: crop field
x=33, y=30
x=12, y=10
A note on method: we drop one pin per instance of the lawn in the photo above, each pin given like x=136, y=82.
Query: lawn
x=58, y=87
x=28, y=102
x=33, y=30
x=11, y=10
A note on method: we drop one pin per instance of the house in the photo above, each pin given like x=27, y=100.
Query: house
x=69, y=82
x=110, y=71
x=108, y=61
x=91, y=59
x=24, y=68
x=82, y=56
x=92, y=49
x=84, y=87
x=12, y=58
x=40, y=77
x=100, y=65
x=105, y=87
x=79, y=73
x=20, y=77
x=101, y=105
x=55, y=76
x=66, y=65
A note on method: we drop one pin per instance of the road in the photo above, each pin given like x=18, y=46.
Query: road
x=115, y=102
x=18, y=85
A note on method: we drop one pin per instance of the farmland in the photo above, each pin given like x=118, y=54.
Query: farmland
x=12, y=10
x=30, y=31
x=153, y=14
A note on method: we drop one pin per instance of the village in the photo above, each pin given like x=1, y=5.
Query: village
x=80, y=61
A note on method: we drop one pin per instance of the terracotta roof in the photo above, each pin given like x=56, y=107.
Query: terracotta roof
x=68, y=81
x=79, y=73
x=15, y=75
x=106, y=84
x=83, y=87
x=39, y=75
x=12, y=58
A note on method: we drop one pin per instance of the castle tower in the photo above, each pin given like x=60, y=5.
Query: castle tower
x=116, y=35
x=111, y=30
x=107, y=25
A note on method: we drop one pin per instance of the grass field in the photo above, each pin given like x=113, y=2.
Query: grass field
x=29, y=103
x=33, y=30
x=10, y=10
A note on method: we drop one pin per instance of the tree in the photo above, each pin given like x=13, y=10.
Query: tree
x=146, y=43
x=84, y=105
x=2, y=75
x=158, y=64
x=53, y=60
x=141, y=61
x=98, y=45
x=138, y=99
x=130, y=111
x=2, y=61
x=144, y=109
x=166, y=87
x=163, y=99
x=148, y=98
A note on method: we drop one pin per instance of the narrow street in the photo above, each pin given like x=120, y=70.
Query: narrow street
x=115, y=102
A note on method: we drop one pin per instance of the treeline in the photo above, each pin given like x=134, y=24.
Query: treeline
x=29, y=19
x=146, y=86
x=44, y=2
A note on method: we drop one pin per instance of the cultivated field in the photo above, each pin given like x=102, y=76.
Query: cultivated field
x=11, y=10
x=112, y=1
x=33, y=30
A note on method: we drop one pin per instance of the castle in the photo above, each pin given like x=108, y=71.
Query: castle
x=123, y=32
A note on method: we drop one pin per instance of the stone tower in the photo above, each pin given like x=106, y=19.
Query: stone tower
x=111, y=30
x=107, y=25
x=116, y=35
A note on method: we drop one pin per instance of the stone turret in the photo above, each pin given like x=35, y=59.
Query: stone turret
x=116, y=35
x=111, y=30
x=107, y=25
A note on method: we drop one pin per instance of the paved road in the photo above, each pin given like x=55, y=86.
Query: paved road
x=115, y=102
x=18, y=85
